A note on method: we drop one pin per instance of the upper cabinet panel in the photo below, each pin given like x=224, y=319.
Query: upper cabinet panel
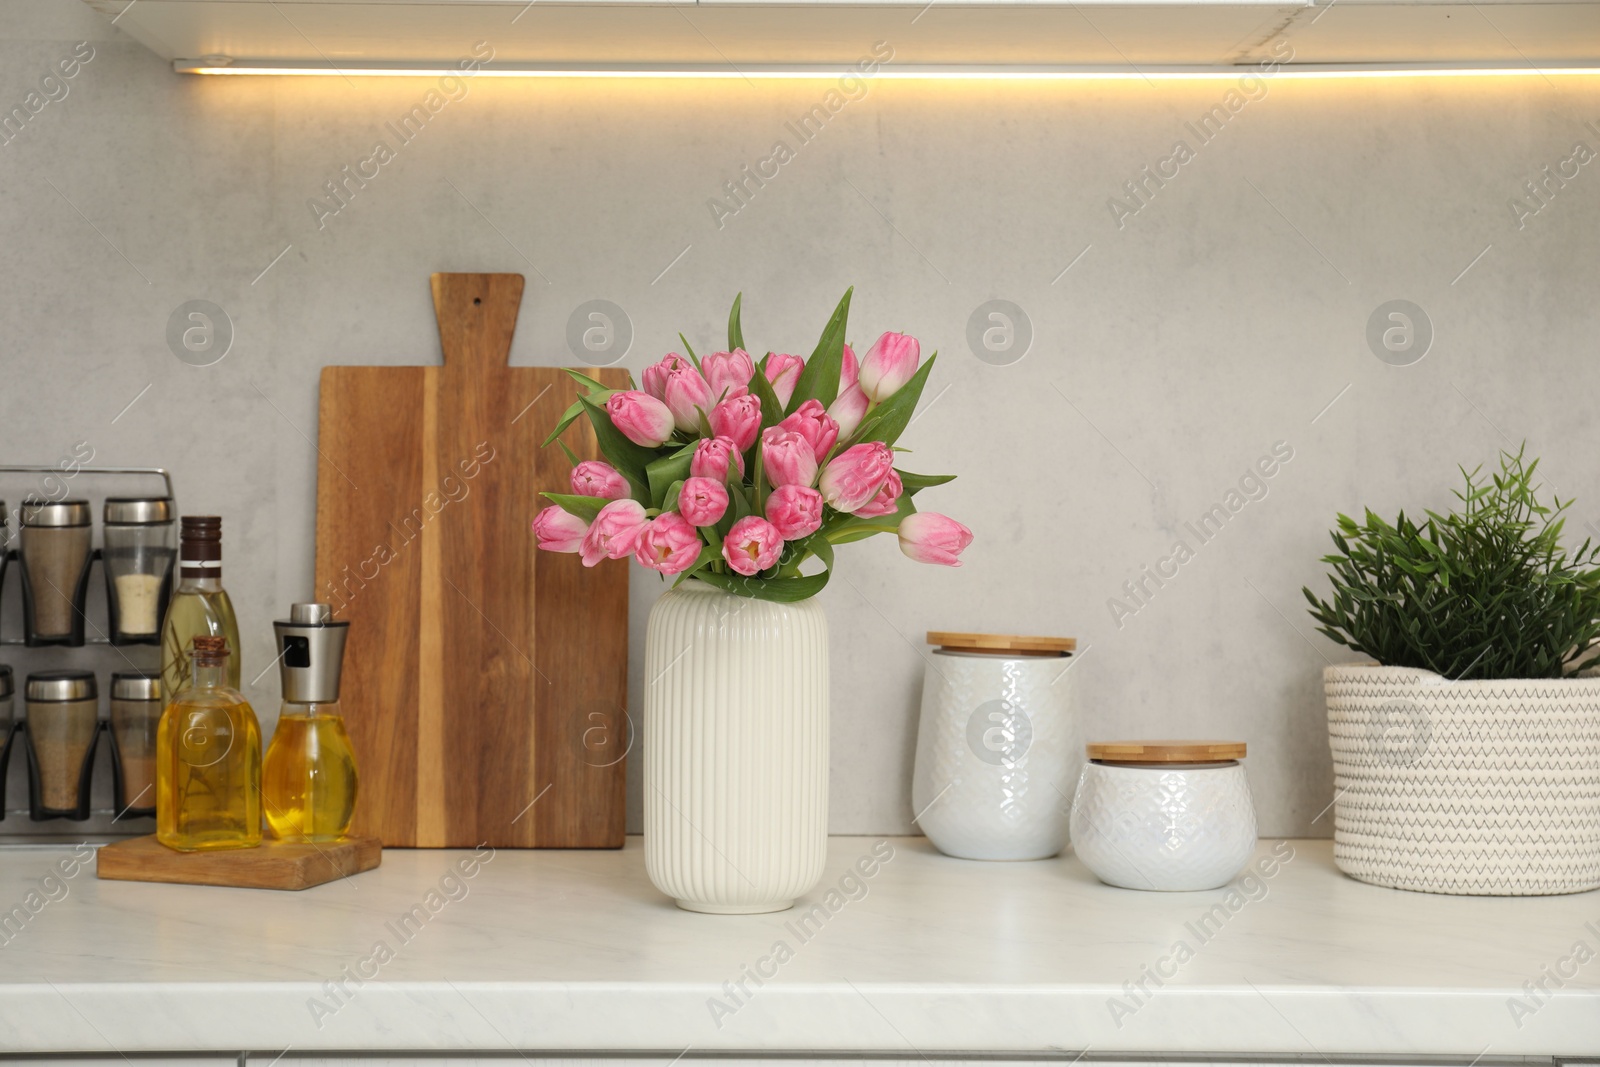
x=730, y=33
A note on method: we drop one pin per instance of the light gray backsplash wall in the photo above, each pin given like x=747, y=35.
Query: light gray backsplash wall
x=1229, y=313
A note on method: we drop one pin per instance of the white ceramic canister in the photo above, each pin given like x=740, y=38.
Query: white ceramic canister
x=997, y=746
x=1173, y=816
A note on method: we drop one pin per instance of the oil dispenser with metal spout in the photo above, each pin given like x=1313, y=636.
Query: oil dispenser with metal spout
x=308, y=780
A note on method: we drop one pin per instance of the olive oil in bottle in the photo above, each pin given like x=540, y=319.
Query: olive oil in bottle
x=199, y=606
x=208, y=760
x=309, y=782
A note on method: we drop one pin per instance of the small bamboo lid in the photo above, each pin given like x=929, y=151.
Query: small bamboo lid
x=1166, y=751
x=1002, y=644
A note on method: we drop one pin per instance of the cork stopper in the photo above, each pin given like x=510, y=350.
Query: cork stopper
x=210, y=651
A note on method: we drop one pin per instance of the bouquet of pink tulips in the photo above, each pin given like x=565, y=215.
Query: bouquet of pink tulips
x=737, y=471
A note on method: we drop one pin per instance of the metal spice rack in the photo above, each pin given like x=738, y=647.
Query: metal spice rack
x=132, y=820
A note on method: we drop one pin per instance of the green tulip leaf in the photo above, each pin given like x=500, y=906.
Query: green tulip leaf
x=735, y=330
x=584, y=507
x=819, y=379
x=776, y=590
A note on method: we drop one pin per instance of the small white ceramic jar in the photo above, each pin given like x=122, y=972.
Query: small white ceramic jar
x=997, y=747
x=1173, y=816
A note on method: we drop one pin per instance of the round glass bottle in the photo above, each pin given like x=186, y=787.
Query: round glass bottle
x=308, y=783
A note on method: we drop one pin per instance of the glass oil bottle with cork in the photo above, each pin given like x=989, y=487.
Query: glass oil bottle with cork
x=208, y=760
x=309, y=780
x=199, y=606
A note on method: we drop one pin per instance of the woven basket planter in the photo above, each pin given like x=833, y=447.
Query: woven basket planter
x=1486, y=788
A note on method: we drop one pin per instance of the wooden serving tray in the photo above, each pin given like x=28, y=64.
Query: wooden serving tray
x=272, y=865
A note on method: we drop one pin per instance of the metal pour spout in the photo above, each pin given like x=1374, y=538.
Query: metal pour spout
x=310, y=653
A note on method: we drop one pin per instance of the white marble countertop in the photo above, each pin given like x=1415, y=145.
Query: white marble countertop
x=561, y=951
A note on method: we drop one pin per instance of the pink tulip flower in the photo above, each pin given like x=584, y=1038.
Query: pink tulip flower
x=702, y=501
x=752, y=545
x=888, y=365
x=668, y=544
x=849, y=370
x=815, y=425
x=712, y=456
x=728, y=373
x=655, y=375
x=594, y=478
x=928, y=537
x=783, y=371
x=558, y=530
x=854, y=476
x=887, y=502
x=614, y=532
x=848, y=409
x=738, y=419
x=642, y=418
x=687, y=395
x=787, y=458
x=795, y=511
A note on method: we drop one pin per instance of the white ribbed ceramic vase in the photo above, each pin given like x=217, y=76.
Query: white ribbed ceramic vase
x=1484, y=788
x=736, y=749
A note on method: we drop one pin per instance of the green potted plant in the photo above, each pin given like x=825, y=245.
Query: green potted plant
x=1467, y=758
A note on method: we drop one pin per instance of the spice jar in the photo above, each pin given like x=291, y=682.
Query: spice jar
x=8, y=703
x=1174, y=816
x=63, y=725
x=139, y=552
x=7, y=725
x=55, y=570
x=996, y=746
x=135, y=715
x=5, y=555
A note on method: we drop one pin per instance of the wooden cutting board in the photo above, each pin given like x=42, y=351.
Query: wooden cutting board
x=485, y=682
x=271, y=865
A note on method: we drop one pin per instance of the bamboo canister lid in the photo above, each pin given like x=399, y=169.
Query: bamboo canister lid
x=1002, y=644
x=1166, y=751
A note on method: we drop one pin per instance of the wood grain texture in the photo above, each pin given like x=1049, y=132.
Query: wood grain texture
x=272, y=865
x=971, y=642
x=1166, y=751
x=485, y=681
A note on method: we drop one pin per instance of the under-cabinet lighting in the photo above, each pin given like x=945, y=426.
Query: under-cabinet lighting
x=899, y=71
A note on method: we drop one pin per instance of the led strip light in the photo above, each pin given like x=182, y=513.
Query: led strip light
x=955, y=72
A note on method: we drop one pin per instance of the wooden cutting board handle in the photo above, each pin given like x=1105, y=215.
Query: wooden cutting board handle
x=477, y=316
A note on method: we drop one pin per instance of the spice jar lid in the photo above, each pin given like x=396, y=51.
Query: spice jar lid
x=136, y=685
x=56, y=513
x=61, y=686
x=137, y=510
x=1002, y=644
x=6, y=686
x=1166, y=751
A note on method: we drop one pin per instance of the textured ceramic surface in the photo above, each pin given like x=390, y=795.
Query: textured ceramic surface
x=572, y=951
x=736, y=756
x=1481, y=787
x=1171, y=828
x=996, y=749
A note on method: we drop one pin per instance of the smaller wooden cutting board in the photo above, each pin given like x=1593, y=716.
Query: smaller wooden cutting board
x=271, y=865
